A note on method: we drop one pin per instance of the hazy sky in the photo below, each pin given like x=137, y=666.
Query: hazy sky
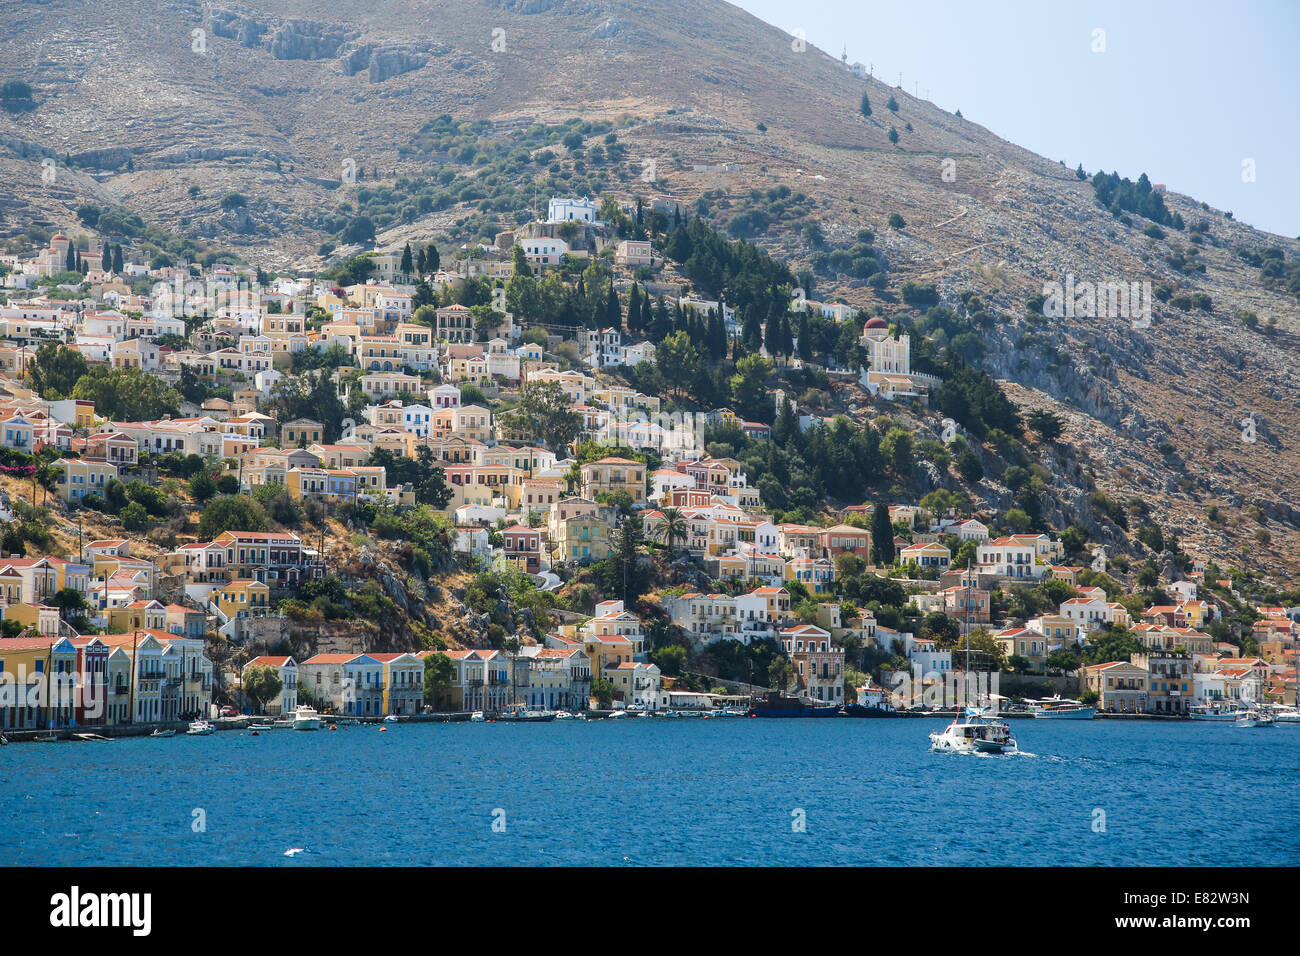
x=1184, y=90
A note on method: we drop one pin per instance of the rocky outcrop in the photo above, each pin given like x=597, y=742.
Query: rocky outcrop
x=307, y=40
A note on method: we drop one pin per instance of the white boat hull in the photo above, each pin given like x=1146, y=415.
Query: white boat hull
x=1077, y=713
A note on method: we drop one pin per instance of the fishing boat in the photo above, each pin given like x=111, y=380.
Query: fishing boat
x=306, y=718
x=50, y=739
x=1057, y=707
x=976, y=730
x=163, y=733
x=200, y=728
x=734, y=712
x=1223, y=711
x=872, y=701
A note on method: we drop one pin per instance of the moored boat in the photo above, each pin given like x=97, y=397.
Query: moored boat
x=200, y=728
x=1061, y=708
x=306, y=718
x=160, y=732
x=781, y=705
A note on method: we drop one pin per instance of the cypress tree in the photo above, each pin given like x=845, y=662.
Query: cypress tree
x=882, y=536
x=408, y=264
x=613, y=312
x=634, y=310
x=787, y=336
x=432, y=260
x=72, y=259
x=805, y=338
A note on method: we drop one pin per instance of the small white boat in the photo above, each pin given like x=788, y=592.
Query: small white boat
x=1288, y=715
x=163, y=733
x=306, y=718
x=563, y=715
x=477, y=717
x=1255, y=718
x=975, y=731
x=390, y=719
x=618, y=714
x=200, y=728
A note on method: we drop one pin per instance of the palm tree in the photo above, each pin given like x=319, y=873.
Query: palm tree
x=673, y=529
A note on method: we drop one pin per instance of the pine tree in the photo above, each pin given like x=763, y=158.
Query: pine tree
x=866, y=105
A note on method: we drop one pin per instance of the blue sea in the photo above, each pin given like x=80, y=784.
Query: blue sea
x=736, y=792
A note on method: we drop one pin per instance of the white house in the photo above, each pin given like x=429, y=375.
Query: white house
x=572, y=209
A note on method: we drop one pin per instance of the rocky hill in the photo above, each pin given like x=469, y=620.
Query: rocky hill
x=164, y=108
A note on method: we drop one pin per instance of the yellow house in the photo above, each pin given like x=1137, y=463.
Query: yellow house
x=582, y=538
x=137, y=616
x=45, y=619
x=244, y=598
x=82, y=476
x=301, y=430
x=609, y=475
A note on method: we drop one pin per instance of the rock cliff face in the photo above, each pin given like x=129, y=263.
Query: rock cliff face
x=282, y=91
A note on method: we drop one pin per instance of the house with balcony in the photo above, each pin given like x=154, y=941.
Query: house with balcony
x=610, y=475
x=403, y=683
x=818, y=662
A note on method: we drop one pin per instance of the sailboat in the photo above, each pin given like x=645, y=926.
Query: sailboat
x=976, y=729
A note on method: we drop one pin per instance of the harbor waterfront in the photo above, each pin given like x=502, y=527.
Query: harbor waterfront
x=655, y=792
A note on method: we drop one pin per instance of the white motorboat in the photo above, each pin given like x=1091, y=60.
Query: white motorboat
x=975, y=731
x=1061, y=708
x=617, y=714
x=1288, y=716
x=477, y=717
x=1255, y=718
x=306, y=718
x=200, y=728
x=563, y=715
x=391, y=719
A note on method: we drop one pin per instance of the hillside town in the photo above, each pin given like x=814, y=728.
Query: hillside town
x=263, y=462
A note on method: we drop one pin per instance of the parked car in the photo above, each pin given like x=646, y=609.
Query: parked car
x=229, y=711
